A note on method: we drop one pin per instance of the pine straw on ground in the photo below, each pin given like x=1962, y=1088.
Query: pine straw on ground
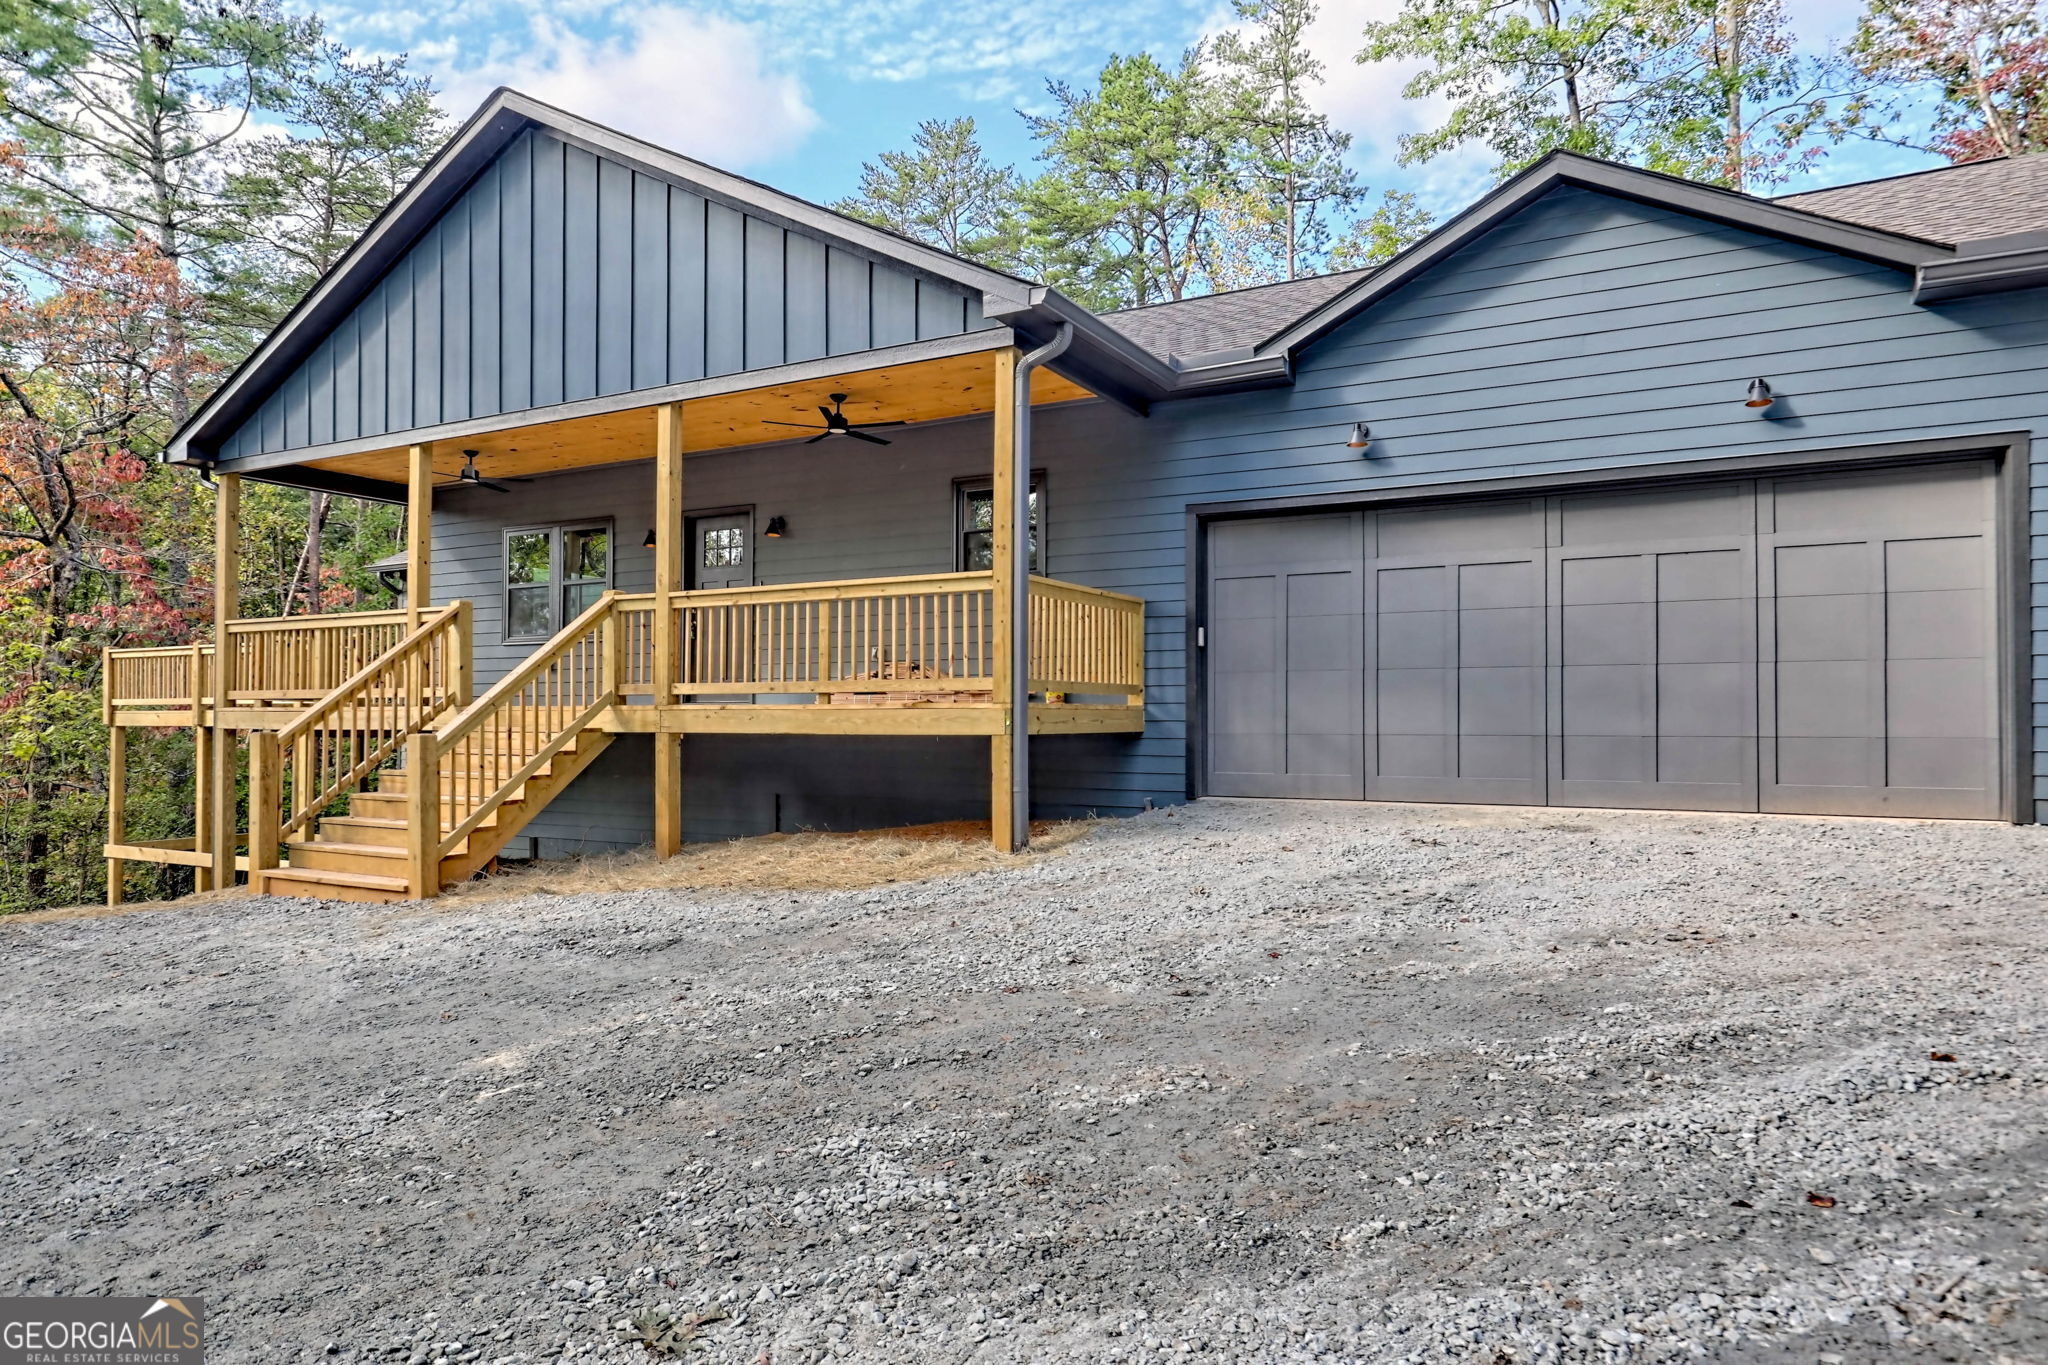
x=810, y=861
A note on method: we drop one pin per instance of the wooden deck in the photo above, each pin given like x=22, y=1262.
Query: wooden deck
x=343, y=713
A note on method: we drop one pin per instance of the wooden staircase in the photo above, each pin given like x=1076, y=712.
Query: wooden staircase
x=366, y=854
x=489, y=767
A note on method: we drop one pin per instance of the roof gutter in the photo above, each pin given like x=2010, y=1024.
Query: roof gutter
x=1991, y=265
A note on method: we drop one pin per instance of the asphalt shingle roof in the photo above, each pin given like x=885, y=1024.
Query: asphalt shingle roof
x=1951, y=204
x=1220, y=322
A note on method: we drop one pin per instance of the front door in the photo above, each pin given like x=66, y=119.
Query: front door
x=721, y=556
x=723, y=551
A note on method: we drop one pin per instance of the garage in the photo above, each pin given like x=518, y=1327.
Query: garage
x=1811, y=643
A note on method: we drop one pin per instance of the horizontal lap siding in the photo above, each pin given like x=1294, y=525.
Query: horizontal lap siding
x=561, y=274
x=1588, y=334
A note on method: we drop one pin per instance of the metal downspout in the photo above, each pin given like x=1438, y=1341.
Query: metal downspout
x=1020, y=589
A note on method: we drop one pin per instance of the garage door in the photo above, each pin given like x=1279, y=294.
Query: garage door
x=1821, y=644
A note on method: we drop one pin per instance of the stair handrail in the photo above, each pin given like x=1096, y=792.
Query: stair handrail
x=410, y=703
x=583, y=651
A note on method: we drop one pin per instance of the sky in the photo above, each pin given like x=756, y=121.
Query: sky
x=798, y=93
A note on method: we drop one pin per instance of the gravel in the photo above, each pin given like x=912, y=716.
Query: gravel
x=1253, y=1082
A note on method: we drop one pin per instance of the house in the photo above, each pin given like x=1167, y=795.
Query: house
x=730, y=514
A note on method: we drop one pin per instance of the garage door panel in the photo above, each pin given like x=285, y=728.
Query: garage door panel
x=1609, y=633
x=1706, y=632
x=1938, y=625
x=1951, y=562
x=1284, y=694
x=1500, y=637
x=1415, y=639
x=1703, y=575
x=1413, y=588
x=1605, y=699
x=1823, y=570
x=1831, y=626
x=1812, y=643
x=1952, y=765
x=1484, y=587
x=1414, y=701
x=1903, y=720
x=1587, y=582
x=1708, y=700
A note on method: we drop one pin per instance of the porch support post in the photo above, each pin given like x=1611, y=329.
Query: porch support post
x=227, y=605
x=117, y=806
x=1009, y=791
x=668, y=581
x=419, y=534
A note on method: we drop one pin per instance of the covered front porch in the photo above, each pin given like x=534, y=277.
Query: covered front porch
x=340, y=714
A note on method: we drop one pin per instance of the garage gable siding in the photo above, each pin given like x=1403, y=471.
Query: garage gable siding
x=1587, y=333
x=560, y=274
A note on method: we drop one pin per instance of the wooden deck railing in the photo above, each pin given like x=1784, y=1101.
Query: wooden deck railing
x=882, y=635
x=326, y=752
x=456, y=779
x=289, y=659
x=1086, y=640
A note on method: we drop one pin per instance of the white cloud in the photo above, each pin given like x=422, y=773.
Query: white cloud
x=700, y=84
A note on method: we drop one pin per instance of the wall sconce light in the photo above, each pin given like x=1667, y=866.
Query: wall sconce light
x=778, y=527
x=206, y=476
x=1759, y=394
x=1361, y=437
x=648, y=543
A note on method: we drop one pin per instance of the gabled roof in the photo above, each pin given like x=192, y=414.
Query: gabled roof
x=1234, y=319
x=1115, y=365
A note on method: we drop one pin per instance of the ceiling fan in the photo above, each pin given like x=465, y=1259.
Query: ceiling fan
x=837, y=423
x=472, y=476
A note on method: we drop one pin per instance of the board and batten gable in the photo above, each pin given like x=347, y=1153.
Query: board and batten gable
x=561, y=274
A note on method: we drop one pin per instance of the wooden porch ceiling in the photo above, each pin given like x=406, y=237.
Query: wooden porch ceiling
x=922, y=391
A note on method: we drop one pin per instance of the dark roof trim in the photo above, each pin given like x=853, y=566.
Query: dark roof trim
x=501, y=118
x=2018, y=261
x=1628, y=182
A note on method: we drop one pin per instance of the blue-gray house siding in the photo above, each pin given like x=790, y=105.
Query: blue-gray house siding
x=1586, y=333
x=560, y=274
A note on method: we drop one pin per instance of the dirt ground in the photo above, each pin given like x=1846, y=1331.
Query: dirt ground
x=1239, y=1082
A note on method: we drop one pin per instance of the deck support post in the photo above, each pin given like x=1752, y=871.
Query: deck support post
x=266, y=795
x=668, y=581
x=117, y=802
x=227, y=605
x=1009, y=801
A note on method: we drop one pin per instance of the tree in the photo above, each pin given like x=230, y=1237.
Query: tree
x=1134, y=171
x=124, y=111
x=1396, y=223
x=1985, y=62
x=944, y=192
x=1296, y=159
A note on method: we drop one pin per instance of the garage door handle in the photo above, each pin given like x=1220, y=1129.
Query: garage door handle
x=1201, y=637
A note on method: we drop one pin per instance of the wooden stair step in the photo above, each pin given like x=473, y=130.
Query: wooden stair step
x=376, y=860
x=363, y=829
x=328, y=884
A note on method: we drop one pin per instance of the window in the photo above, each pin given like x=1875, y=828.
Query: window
x=976, y=519
x=724, y=546
x=552, y=575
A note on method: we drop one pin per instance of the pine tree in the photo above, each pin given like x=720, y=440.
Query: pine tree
x=1296, y=158
x=944, y=191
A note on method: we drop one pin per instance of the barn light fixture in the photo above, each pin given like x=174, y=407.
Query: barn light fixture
x=778, y=527
x=648, y=543
x=1361, y=437
x=1759, y=394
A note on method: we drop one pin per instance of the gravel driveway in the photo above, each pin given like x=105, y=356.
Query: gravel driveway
x=1239, y=1082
